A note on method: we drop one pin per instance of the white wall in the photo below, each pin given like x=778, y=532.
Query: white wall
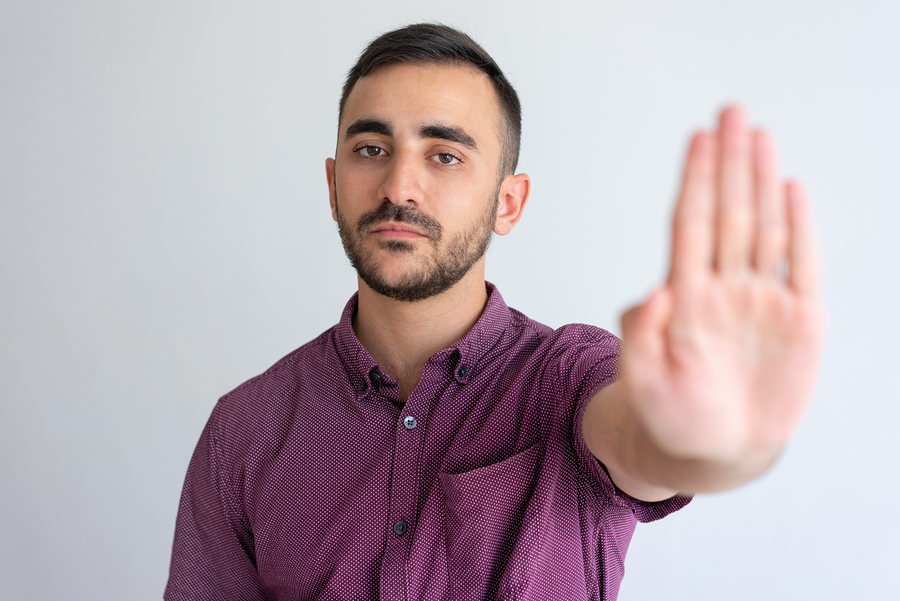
x=165, y=235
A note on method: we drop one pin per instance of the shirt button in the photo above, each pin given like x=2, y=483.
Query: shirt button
x=362, y=386
x=400, y=527
x=462, y=371
x=410, y=422
x=376, y=377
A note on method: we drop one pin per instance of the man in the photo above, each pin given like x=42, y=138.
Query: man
x=436, y=444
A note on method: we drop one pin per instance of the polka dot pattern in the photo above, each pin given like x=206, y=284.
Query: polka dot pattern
x=313, y=481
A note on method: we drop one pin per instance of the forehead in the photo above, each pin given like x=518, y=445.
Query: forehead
x=411, y=94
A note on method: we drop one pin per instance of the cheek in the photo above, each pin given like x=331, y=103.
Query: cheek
x=458, y=215
x=350, y=190
x=361, y=184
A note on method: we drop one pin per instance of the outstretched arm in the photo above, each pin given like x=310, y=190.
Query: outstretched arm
x=719, y=363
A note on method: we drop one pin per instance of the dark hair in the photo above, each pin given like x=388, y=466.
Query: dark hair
x=438, y=44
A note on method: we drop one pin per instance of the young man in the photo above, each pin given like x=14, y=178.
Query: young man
x=436, y=444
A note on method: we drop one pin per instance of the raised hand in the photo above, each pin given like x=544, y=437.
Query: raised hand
x=720, y=362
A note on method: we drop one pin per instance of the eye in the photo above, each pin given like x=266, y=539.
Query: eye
x=445, y=158
x=370, y=150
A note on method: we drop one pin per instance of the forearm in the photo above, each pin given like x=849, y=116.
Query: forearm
x=641, y=467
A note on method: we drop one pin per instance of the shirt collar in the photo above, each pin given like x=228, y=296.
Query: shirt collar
x=463, y=356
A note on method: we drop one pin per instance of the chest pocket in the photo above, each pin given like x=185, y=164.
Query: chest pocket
x=493, y=526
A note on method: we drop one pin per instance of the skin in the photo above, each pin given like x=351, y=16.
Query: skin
x=717, y=364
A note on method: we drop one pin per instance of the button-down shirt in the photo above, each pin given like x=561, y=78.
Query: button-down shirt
x=314, y=481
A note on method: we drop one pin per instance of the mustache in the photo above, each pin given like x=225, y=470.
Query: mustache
x=389, y=211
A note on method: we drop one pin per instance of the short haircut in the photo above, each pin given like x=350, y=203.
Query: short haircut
x=428, y=43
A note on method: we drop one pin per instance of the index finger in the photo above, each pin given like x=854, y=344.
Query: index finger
x=693, y=233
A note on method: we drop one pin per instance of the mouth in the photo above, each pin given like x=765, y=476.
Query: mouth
x=395, y=222
x=394, y=229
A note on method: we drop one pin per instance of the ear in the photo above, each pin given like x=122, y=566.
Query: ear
x=332, y=190
x=513, y=195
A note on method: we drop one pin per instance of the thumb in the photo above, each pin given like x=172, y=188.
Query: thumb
x=644, y=326
x=628, y=318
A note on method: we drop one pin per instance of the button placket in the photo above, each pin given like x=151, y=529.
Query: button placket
x=405, y=476
x=408, y=455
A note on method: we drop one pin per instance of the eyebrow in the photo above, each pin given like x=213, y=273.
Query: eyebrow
x=449, y=133
x=435, y=130
x=368, y=126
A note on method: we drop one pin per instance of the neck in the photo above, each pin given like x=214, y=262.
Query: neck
x=401, y=336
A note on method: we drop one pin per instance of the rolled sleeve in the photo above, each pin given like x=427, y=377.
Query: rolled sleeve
x=588, y=363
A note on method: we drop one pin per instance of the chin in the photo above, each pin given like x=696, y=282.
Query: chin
x=395, y=276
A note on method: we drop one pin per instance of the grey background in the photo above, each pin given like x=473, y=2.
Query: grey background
x=165, y=235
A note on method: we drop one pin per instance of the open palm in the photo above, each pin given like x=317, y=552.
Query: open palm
x=721, y=360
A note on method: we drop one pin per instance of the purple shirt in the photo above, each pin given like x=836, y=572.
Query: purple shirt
x=313, y=481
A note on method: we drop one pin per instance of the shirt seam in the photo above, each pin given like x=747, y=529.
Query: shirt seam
x=231, y=504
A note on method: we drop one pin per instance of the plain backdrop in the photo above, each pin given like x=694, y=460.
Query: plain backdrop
x=165, y=235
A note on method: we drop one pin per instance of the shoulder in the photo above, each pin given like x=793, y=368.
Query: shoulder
x=288, y=366
x=268, y=398
x=561, y=363
x=565, y=343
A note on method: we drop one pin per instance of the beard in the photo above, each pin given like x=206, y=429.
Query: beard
x=446, y=264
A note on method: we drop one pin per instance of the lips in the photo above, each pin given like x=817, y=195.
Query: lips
x=394, y=220
x=398, y=228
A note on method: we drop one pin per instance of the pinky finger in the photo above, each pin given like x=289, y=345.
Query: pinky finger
x=804, y=253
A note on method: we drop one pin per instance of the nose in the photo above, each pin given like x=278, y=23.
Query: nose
x=402, y=183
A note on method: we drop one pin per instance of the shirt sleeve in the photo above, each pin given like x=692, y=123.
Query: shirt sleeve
x=587, y=361
x=212, y=555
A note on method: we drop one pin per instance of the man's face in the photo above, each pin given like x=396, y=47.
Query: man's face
x=415, y=180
